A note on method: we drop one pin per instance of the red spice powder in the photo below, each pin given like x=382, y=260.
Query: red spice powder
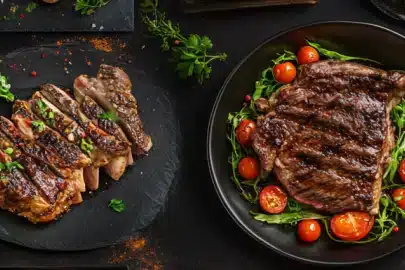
x=136, y=249
x=102, y=44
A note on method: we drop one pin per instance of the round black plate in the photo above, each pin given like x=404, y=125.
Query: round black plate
x=144, y=186
x=351, y=38
x=393, y=8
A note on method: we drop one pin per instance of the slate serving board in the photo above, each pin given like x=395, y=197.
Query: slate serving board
x=144, y=186
x=117, y=16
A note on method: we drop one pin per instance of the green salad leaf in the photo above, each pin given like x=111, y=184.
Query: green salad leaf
x=287, y=218
x=335, y=55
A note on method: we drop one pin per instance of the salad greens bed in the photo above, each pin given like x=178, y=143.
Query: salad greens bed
x=389, y=214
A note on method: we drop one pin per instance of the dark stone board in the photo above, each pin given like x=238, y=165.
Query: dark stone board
x=116, y=16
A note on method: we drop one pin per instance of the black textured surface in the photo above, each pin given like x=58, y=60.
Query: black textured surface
x=348, y=38
x=143, y=187
x=193, y=230
x=118, y=15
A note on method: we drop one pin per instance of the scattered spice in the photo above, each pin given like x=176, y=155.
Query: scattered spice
x=59, y=43
x=43, y=55
x=136, y=248
x=22, y=16
x=14, y=9
x=102, y=44
x=33, y=73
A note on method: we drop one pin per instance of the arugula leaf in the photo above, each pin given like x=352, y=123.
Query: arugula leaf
x=190, y=53
x=86, y=145
x=9, y=151
x=336, y=55
x=88, y=7
x=287, y=218
x=110, y=115
x=116, y=205
x=39, y=125
x=5, y=89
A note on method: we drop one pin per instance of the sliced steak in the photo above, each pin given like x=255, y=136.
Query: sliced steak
x=112, y=91
x=329, y=135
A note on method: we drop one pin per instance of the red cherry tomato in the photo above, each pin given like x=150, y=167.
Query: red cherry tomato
x=307, y=54
x=309, y=230
x=248, y=168
x=272, y=199
x=399, y=197
x=244, y=131
x=285, y=72
x=352, y=226
x=402, y=170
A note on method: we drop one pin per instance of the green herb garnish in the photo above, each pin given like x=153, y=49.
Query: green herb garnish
x=88, y=7
x=287, y=218
x=116, y=205
x=110, y=115
x=5, y=89
x=249, y=190
x=31, y=6
x=9, y=166
x=337, y=56
x=191, y=53
x=86, y=145
x=38, y=125
x=9, y=151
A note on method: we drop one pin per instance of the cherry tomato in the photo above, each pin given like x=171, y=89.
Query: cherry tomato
x=248, y=168
x=244, y=131
x=309, y=230
x=307, y=54
x=285, y=72
x=399, y=197
x=402, y=170
x=352, y=226
x=272, y=199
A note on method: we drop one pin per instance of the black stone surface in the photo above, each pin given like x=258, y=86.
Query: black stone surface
x=118, y=15
x=193, y=231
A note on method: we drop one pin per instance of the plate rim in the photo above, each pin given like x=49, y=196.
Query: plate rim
x=215, y=180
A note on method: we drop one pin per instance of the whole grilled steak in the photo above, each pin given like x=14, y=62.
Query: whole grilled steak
x=328, y=135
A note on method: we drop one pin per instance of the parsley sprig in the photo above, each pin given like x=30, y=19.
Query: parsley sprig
x=116, y=205
x=88, y=7
x=191, y=53
x=9, y=166
x=86, y=145
x=5, y=89
x=110, y=115
x=38, y=125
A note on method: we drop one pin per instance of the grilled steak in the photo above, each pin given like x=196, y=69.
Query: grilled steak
x=112, y=90
x=328, y=135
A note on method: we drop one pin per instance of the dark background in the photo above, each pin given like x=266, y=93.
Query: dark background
x=194, y=231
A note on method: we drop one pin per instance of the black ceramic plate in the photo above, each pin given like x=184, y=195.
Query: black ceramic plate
x=144, y=186
x=358, y=39
x=393, y=8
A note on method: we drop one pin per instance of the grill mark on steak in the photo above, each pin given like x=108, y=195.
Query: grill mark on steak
x=327, y=134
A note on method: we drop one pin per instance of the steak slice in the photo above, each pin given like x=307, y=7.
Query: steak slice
x=328, y=135
x=112, y=91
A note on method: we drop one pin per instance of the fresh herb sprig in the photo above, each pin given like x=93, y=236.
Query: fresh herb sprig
x=5, y=89
x=287, y=218
x=45, y=113
x=116, y=205
x=110, y=115
x=335, y=55
x=191, y=53
x=88, y=7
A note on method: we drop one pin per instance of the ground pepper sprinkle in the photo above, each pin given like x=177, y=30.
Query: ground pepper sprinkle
x=136, y=249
